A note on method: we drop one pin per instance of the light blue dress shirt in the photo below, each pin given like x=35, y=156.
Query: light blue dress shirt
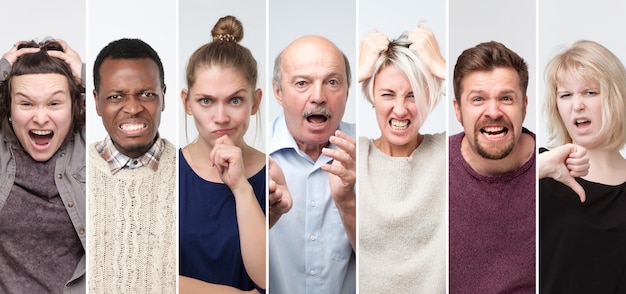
x=309, y=248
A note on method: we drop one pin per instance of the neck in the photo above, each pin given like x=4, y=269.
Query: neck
x=312, y=150
x=522, y=152
x=398, y=150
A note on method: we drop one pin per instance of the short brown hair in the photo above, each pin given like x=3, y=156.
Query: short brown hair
x=486, y=57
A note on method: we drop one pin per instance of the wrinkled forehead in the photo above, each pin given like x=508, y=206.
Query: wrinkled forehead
x=312, y=54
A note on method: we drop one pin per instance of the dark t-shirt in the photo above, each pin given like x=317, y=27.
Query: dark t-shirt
x=492, y=227
x=582, y=246
x=209, y=247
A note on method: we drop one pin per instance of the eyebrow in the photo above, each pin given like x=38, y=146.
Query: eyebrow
x=238, y=92
x=51, y=95
x=482, y=91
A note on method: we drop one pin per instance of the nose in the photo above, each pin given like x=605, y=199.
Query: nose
x=400, y=107
x=493, y=109
x=318, y=96
x=132, y=104
x=221, y=115
x=578, y=103
x=41, y=116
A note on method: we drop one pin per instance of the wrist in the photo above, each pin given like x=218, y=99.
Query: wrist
x=242, y=188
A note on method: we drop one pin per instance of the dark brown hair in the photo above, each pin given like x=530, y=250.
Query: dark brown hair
x=41, y=63
x=486, y=57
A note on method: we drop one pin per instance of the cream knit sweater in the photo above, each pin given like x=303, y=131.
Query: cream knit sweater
x=131, y=244
x=402, y=218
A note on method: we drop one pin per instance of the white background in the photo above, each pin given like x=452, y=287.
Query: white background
x=563, y=22
x=197, y=18
x=335, y=20
x=22, y=22
x=392, y=18
x=155, y=23
x=510, y=22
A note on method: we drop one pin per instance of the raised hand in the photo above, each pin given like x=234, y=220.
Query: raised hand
x=342, y=179
x=228, y=160
x=424, y=43
x=70, y=57
x=564, y=164
x=371, y=47
x=280, y=198
x=13, y=54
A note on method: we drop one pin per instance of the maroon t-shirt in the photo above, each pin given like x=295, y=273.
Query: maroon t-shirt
x=492, y=227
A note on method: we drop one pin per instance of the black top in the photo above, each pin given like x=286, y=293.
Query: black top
x=582, y=247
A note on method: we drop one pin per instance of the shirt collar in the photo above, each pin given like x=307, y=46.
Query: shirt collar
x=281, y=138
x=118, y=161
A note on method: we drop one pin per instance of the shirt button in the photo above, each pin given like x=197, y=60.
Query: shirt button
x=312, y=273
x=312, y=238
x=81, y=231
x=62, y=154
x=70, y=204
x=59, y=176
x=313, y=204
x=135, y=162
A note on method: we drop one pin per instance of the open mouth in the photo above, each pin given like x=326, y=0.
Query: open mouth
x=317, y=118
x=494, y=132
x=582, y=122
x=399, y=124
x=41, y=137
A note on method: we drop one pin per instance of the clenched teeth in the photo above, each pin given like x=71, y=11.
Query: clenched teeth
x=399, y=124
x=132, y=127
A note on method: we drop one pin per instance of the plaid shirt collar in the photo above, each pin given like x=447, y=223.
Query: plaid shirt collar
x=118, y=161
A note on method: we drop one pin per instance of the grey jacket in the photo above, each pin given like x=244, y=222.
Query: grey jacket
x=70, y=165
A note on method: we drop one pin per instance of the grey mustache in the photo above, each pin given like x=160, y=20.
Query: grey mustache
x=318, y=109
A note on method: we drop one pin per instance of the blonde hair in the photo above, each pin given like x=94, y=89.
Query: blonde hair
x=423, y=82
x=588, y=60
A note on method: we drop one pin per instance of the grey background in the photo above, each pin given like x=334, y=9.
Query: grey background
x=197, y=18
x=564, y=22
x=510, y=22
x=392, y=18
x=23, y=23
x=155, y=23
x=335, y=20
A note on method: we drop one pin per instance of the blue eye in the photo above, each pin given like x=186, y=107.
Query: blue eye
x=205, y=101
x=235, y=100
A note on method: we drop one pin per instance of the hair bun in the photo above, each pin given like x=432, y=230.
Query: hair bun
x=228, y=29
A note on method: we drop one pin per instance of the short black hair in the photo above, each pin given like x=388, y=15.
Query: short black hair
x=126, y=49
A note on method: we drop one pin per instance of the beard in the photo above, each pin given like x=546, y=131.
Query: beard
x=494, y=150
